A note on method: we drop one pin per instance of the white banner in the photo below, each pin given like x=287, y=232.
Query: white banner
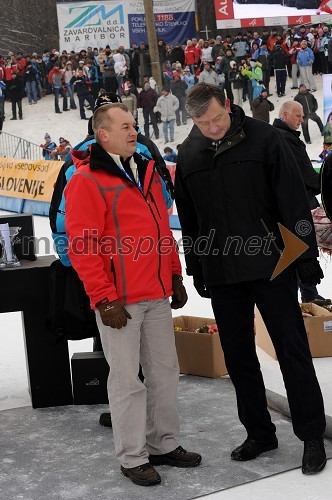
x=114, y=22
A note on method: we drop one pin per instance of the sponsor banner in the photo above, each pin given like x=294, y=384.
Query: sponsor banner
x=272, y=21
x=116, y=22
x=28, y=179
x=170, y=28
x=224, y=10
x=300, y=20
x=251, y=23
x=92, y=23
x=269, y=13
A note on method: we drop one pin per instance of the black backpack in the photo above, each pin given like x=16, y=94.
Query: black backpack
x=70, y=316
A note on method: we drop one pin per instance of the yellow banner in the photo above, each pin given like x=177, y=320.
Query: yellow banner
x=28, y=179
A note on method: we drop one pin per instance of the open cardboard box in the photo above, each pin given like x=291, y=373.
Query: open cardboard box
x=198, y=353
x=318, y=328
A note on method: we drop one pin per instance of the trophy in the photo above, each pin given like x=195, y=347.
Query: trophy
x=8, y=258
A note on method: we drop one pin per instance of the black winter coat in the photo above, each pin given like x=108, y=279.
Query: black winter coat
x=308, y=102
x=278, y=57
x=15, y=88
x=309, y=175
x=223, y=196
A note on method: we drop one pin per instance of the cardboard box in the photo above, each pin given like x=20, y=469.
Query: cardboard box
x=89, y=374
x=198, y=353
x=318, y=328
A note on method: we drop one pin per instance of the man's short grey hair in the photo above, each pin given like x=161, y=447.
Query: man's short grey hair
x=200, y=96
x=287, y=106
x=102, y=119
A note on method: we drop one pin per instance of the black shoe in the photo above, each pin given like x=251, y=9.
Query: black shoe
x=177, y=458
x=105, y=420
x=144, y=475
x=314, y=456
x=66, y=110
x=58, y=112
x=251, y=449
x=84, y=118
x=14, y=118
x=294, y=88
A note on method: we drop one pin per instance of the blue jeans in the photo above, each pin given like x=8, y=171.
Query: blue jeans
x=58, y=92
x=170, y=124
x=119, y=79
x=70, y=90
x=31, y=90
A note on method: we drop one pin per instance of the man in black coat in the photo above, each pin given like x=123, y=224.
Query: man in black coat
x=310, y=106
x=15, y=89
x=236, y=179
x=290, y=119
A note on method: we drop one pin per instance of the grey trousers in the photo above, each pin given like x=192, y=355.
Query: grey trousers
x=144, y=415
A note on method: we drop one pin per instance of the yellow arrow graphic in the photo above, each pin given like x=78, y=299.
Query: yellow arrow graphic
x=294, y=247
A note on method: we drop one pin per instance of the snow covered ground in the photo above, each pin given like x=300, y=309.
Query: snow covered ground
x=41, y=118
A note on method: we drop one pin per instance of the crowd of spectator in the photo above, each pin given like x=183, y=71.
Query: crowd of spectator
x=241, y=65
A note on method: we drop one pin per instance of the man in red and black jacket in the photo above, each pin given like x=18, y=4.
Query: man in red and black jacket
x=122, y=248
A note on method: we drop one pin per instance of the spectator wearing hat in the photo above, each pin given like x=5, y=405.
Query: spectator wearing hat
x=190, y=56
x=68, y=74
x=167, y=105
x=261, y=107
x=147, y=99
x=240, y=47
x=15, y=91
x=82, y=87
x=63, y=149
x=207, y=52
x=237, y=82
x=305, y=59
x=129, y=100
x=310, y=106
x=225, y=68
x=170, y=155
x=208, y=75
x=177, y=54
x=49, y=148
x=262, y=56
x=57, y=83
x=293, y=51
x=188, y=78
x=278, y=58
x=178, y=88
x=217, y=49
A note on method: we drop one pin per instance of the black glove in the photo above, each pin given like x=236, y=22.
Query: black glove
x=179, y=297
x=113, y=314
x=309, y=272
x=200, y=286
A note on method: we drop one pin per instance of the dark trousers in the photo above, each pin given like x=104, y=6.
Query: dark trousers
x=148, y=115
x=19, y=107
x=277, y=302
x=266, y=79
x=181, y=109
x=281, y=76
x=305, y=128
x=81, y=99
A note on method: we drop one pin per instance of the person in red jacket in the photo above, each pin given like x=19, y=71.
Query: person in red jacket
x=122, y=248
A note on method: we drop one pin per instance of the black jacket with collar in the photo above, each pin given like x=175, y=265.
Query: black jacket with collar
x=309, y=175
x=229, y=196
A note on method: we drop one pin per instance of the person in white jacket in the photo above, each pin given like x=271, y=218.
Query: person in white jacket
x=166, y=105
x=120, y=68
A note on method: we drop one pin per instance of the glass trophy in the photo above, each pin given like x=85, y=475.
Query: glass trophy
x=8, y=257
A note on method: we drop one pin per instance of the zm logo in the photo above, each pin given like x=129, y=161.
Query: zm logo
x=91, y=12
